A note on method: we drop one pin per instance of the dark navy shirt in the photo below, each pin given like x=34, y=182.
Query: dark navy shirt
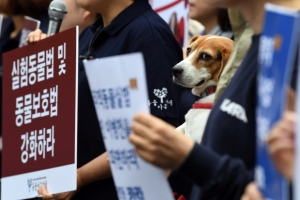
x=136, y=29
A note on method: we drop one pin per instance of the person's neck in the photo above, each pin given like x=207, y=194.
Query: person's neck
x=254, y=11
x=209, y=24
x=114, y=10
x=18, y=21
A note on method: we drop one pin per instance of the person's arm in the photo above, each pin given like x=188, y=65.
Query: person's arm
x=94, y=170
x=221, y=176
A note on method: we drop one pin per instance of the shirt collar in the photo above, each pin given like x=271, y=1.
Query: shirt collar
x=126, y=16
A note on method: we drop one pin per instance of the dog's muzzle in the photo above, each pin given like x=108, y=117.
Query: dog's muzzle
x=177, y=71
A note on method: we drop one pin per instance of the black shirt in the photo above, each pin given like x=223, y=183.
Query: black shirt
x=136, y=29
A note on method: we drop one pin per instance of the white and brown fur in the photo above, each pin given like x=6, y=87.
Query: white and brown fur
x=205, y=60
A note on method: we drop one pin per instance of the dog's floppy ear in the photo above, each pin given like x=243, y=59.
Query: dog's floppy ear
x=225, y=52
x=194, y=39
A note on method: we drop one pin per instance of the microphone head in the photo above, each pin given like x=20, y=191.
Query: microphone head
x=57, y=10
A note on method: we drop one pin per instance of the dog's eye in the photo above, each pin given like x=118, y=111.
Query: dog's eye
x=205, y=56
x=188, y=51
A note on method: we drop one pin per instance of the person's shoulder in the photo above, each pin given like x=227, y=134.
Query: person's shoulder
x=150, y=25
x=151, y=19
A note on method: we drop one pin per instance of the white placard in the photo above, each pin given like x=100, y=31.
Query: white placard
x=29, y=183
x=119, y=90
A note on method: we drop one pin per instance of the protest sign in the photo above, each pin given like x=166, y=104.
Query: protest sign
x=119, y=90
x=175, y=13
x=40, y=117
x=277, y=49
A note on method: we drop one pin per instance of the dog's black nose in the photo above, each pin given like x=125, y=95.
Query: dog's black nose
x=177, y=71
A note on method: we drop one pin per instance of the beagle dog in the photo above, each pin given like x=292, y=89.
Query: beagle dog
x=206, y=57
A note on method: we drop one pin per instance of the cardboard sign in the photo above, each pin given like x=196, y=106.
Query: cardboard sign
x=40, y=117
x=118, y=87
x=29, y=25
x=277, y=49
x=175, y=13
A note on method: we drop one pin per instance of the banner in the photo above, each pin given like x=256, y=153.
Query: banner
x=40, y=117
x=175, y=13
x=118, y=87
x=277, y=51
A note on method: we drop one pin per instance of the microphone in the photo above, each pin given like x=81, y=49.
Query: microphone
x=57, y=12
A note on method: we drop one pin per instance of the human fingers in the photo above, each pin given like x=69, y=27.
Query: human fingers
x=163, y=151
x=146, y=144
x=44, y=192
x=140, y=129
x=150, y=148
x=43, y=36
x=280, y=144
x=285, y=128
x=155, y=139
x=35, y=36
x=150, y=121
x=147, y=151
x=137, y=140
x=252, y=192
x=288, y=121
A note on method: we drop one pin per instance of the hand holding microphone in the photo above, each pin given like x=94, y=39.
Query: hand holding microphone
x=57, y=11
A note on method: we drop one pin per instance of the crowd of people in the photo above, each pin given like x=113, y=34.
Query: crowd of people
x=222, y=166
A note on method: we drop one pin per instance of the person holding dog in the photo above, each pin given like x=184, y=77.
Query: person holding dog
x=223, y=165
x=125, y=26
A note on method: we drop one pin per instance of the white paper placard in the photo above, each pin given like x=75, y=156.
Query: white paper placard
x=119, y=90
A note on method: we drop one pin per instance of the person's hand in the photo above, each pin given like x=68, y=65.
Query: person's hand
x=281, y=144
x=158, y=143
x=60, y=196
x=252, y=193
x=35, y=36
x=44, y=193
